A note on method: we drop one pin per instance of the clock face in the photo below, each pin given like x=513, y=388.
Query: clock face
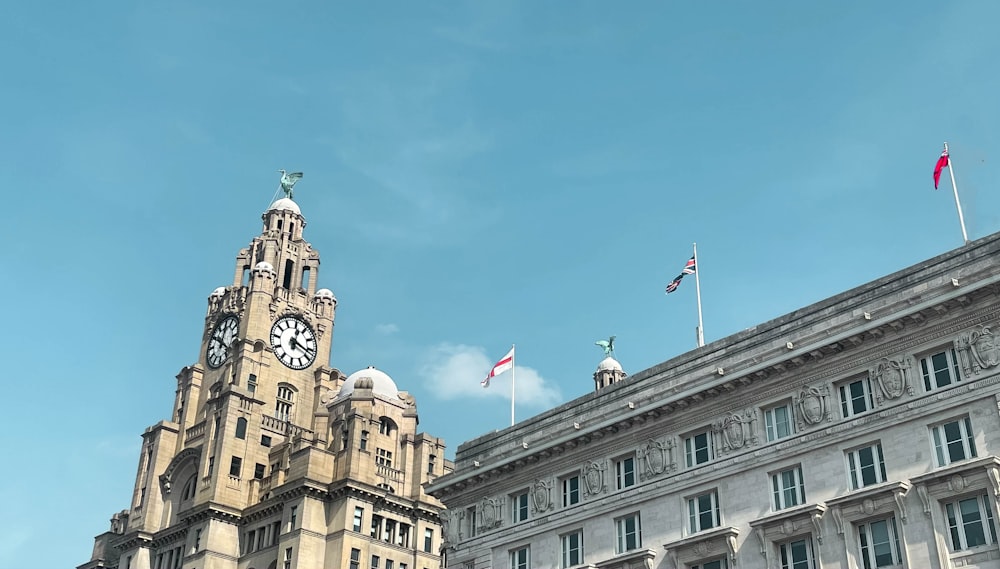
x=294, y=342
x=221, y=341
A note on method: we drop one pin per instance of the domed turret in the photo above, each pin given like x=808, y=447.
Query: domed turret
x=285, y=204
x=370, y=378
x=608, y=371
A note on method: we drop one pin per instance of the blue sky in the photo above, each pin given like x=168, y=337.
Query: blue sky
x=476, y=175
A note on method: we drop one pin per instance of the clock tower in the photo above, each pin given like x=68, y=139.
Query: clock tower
x=273, y=458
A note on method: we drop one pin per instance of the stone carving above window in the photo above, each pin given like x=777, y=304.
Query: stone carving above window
x=489, y=513
x=656, y=457
x=541, y=495
x=737, y=430
x=892, y=376
x=593, y=478
x=978, y=350
x=813, y=405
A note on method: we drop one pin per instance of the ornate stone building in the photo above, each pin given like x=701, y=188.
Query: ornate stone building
x=860, y=432
x=272, y=458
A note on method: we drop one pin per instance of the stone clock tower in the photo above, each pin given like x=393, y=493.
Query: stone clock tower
x=273, y=458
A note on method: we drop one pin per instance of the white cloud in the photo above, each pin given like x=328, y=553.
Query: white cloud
x=386, y=329
x=453, y=371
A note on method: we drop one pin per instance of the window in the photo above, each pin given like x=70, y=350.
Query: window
x=376, y=526
x=355, y=559
x=265, y=440
x=359, y=514
x=796, y=554
x=188, y=491
x=252, y=383
x=519, y=558
x=970, y=522
x=470, y=519
x=570, y=490
x=720, y=563
x=787, y=488
x=293, y=516
x=197, y=540
x=698, y=449
x=385, y=426
x=241, y=428
x=629, y=533
x=519, y=507
x=625, y=472
x=235, y=466
x=375, y=561
x=428, y=540
x=953, y=441
x=572, y=548
x=855, y=397
x=778, y=422
x=258, y=471
x=430, y=464
x=404, y=535
x=866, y=466
x=939, y=370
x=389, y=534
x=364, y=440
x=383, y=457
x=879, y=544
x=345, y=439
x=388, y=564
x=703, y=512
x=283, y=406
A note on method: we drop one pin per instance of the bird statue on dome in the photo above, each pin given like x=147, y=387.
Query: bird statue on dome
x=607, y=345
x=288, y=181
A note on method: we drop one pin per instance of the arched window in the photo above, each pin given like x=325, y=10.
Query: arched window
x=386, y=426
x=188, y=492
x=283, y=406
x=241, y=428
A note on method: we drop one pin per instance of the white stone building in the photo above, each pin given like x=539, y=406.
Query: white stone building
x=272, y=458
x=862, y=431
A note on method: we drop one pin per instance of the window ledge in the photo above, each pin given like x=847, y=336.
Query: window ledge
x=869, y=501
x=958, y=478
x=635, y=559
x=789, y=523
x=702, y=545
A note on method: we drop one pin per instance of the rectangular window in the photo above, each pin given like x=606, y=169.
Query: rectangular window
x=855, y=397
x=428, y=540
x=283, y=411
x=252, y=383
x=251, y=541
x=866, y=466
x=572, y=548
x=720, y=563
x=389, y=535
x=787, y=488
x=939, y=370
x=383, y=457
x=404, y=535
x=628, y=532
x=796, y=554
x=570, y=490
x=879, y=544
x=953, y=441
x=470, y=520
x=970, y=522
x=519, y=507
x=625, y=472
x=703, y=512
x=288, y=558
x=519, y=558
x=292, y=517
x=235, y=466
x=388, y=564
x=431, y=461
x=364, y=440
x=698, y=449
x=258, y=471
x=375, y=561
x=265, y=440
x=355, y=559
x=359, y=514
x=376, y=527
x=778, y=422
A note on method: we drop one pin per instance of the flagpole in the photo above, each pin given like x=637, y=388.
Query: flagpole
x=954, y=188
x=697, y=286
x=512, y=367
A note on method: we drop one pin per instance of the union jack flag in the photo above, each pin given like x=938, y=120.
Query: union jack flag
x=675, y=283
x=689, y=267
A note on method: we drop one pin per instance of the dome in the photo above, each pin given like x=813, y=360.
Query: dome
x=285, y=204
x=609, y=363
x=381, y=383
x=326, y=293
x=219, y=291
x=263, y=266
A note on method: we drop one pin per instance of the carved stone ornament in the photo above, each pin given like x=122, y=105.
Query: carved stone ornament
x=925, y=499
x=541, y=495
x=656, y=457
x=838, y=520
x=893, y=379
x=490, y=513
x=451, y=527
x=736, y=430
x=813, y=405
x=978, y=350
x=593, y=478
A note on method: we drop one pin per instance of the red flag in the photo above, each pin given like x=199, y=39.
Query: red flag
x=941, y=163
x=505, y=363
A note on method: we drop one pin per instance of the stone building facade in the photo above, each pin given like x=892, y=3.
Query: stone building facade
x=862, y=431
x=272, y=458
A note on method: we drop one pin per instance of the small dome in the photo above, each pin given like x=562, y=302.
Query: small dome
x=285, y=204
x=378, y=381
x=609, y=363
x=263, y=266
x=326, y=293
x=219, y=291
